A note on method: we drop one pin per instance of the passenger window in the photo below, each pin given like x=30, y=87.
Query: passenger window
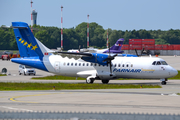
x=99, y=65
x=123, y=65
x=91, y=64
x=79, y=64
x=127, y=65
x=154, y=63
x=131, y=65
x=119, y=65
x=158, y=63
x=114, y=65
x=87, y=64
x=83, y=64
x=75, y=64
x=95, y=64
x=71, y=64
x=68, y=64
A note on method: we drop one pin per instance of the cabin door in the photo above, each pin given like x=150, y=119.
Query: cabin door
x=57, y=67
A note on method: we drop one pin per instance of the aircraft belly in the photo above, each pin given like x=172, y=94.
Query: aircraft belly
x=86, y=73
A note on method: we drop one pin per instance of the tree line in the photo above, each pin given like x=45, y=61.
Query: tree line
x=73, y=37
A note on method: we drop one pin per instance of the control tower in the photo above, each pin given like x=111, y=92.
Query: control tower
x=33, y=17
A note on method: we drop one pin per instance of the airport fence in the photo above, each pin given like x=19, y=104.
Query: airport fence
x=7, y=115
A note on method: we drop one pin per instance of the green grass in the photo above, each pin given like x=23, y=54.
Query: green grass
x=3, y=75
x=58, y=77
x=67, y=86
x=178, y=93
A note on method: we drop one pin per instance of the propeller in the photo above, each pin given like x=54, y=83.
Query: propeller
x=109, y=59
x=137, y=52
x=142, y=51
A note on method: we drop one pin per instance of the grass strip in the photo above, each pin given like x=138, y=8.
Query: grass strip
x=68, y=86
x=3, y=75
x=58, y=77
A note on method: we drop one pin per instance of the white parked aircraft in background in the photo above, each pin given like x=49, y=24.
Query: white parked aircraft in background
x=116, y=48
x=92, y=66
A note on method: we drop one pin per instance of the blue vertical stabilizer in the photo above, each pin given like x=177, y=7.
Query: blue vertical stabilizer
x=27, y=44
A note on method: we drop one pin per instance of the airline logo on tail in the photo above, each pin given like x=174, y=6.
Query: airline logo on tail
x=117, y=44
x=24, y=43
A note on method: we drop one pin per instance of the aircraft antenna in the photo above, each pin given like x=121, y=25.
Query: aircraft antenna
x=87, y=30
x=61, y=28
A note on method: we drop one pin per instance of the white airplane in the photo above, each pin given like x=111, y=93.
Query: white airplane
x=92, y=66
x=116, y=48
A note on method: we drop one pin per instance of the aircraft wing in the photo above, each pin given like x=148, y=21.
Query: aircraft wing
x=74, y=53
x=99, y=58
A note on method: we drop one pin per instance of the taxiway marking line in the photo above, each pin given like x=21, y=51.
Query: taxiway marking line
x=14, y=98
x=11, y=108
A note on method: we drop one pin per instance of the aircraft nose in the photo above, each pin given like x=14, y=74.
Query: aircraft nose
x=174, y=72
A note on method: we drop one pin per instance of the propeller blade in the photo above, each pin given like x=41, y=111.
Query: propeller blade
x=110, y=68
x=142, y=51
x=136, y=52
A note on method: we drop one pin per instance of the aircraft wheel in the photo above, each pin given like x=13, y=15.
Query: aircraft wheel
x=19, y=73
x=105, y=81
x=89, y=81
x=163, y=82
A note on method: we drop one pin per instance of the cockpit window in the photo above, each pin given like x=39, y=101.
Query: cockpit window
x=154, y=63
x=158, y=63
x=164, y=63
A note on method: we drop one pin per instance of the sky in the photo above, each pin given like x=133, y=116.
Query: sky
x=113, y=14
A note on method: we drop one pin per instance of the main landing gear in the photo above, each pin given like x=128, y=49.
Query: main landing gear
x=90, y=80
x=105, y=81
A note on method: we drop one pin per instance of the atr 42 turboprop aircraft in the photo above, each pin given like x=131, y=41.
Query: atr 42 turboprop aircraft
x=92, y=66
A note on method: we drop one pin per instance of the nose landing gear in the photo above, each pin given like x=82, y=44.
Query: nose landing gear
x=163, y=81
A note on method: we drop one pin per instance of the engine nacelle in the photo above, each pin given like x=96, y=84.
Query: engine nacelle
x=96, y=58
